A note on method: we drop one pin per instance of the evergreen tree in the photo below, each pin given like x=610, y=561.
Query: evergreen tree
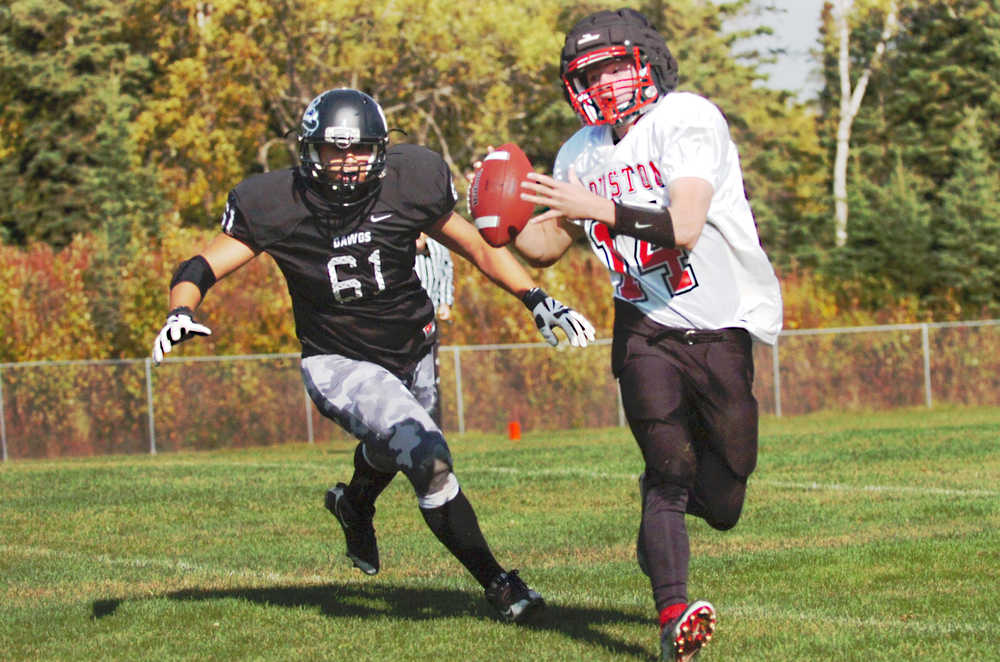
x=888, y=253
x=967, y=232
x=54, y=58
x=123, y=203
x=943, y=63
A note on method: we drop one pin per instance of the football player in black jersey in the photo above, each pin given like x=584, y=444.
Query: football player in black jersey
x=342, y=227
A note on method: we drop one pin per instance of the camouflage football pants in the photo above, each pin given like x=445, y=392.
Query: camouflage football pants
x=390, y=417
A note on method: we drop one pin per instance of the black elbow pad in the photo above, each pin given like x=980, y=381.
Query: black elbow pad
x=197, y=271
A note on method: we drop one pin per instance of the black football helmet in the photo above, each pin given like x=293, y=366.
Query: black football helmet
x=606, y=35
x=344, y=117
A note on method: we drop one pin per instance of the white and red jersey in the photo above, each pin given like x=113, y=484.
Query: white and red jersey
x=726, y=280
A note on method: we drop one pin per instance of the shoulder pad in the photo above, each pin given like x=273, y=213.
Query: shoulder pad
x=271, y=203
x=420, y=179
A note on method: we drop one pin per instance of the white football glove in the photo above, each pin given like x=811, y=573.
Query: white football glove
x=550, y=314
x=179, y=327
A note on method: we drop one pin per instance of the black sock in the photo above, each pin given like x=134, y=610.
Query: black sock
x=366, y=483
x=456, y=526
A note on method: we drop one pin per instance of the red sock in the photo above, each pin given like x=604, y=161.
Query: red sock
x=670, y=614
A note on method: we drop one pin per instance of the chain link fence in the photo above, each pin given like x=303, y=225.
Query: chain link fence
x=80, y=408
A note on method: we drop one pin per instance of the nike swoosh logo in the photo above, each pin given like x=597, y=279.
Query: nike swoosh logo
x=381, y=217
x=643, y=226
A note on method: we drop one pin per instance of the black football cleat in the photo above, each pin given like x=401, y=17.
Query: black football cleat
x=512, y=598
x=682, y=640
x=362, y=548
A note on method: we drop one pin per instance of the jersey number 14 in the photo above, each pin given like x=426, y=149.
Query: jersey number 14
x=671, y=263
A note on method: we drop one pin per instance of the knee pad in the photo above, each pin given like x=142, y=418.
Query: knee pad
x=670, y=457
x=428, y=464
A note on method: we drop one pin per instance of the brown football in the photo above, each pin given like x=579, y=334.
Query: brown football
x=495, y=195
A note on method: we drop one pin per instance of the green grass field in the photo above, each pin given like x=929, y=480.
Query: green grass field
x=864, y=537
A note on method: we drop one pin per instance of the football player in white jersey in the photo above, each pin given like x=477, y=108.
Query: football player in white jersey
x=653, y=181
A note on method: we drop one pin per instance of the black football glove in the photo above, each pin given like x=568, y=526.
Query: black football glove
x=550, y=314
x=179, y=327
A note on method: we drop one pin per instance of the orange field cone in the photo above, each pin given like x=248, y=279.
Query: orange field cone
x=514, y=430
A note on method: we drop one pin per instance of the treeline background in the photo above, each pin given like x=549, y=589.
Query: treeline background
x=124, y=124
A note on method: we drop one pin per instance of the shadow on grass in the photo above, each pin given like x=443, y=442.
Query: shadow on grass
x=416, y=604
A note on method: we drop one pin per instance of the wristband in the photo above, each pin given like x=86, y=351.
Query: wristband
x=656, y=227
x=533, y=297
x=181, y=310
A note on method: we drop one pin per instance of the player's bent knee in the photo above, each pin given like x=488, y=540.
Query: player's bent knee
x=725, y=513
x=431, y=471
x=724, y=523
x=671, y=488
x=443, y=489
x=672, y=472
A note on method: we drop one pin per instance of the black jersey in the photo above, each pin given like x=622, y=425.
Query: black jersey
x=350, y=274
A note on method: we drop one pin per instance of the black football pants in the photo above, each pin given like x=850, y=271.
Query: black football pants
x=689, y=402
